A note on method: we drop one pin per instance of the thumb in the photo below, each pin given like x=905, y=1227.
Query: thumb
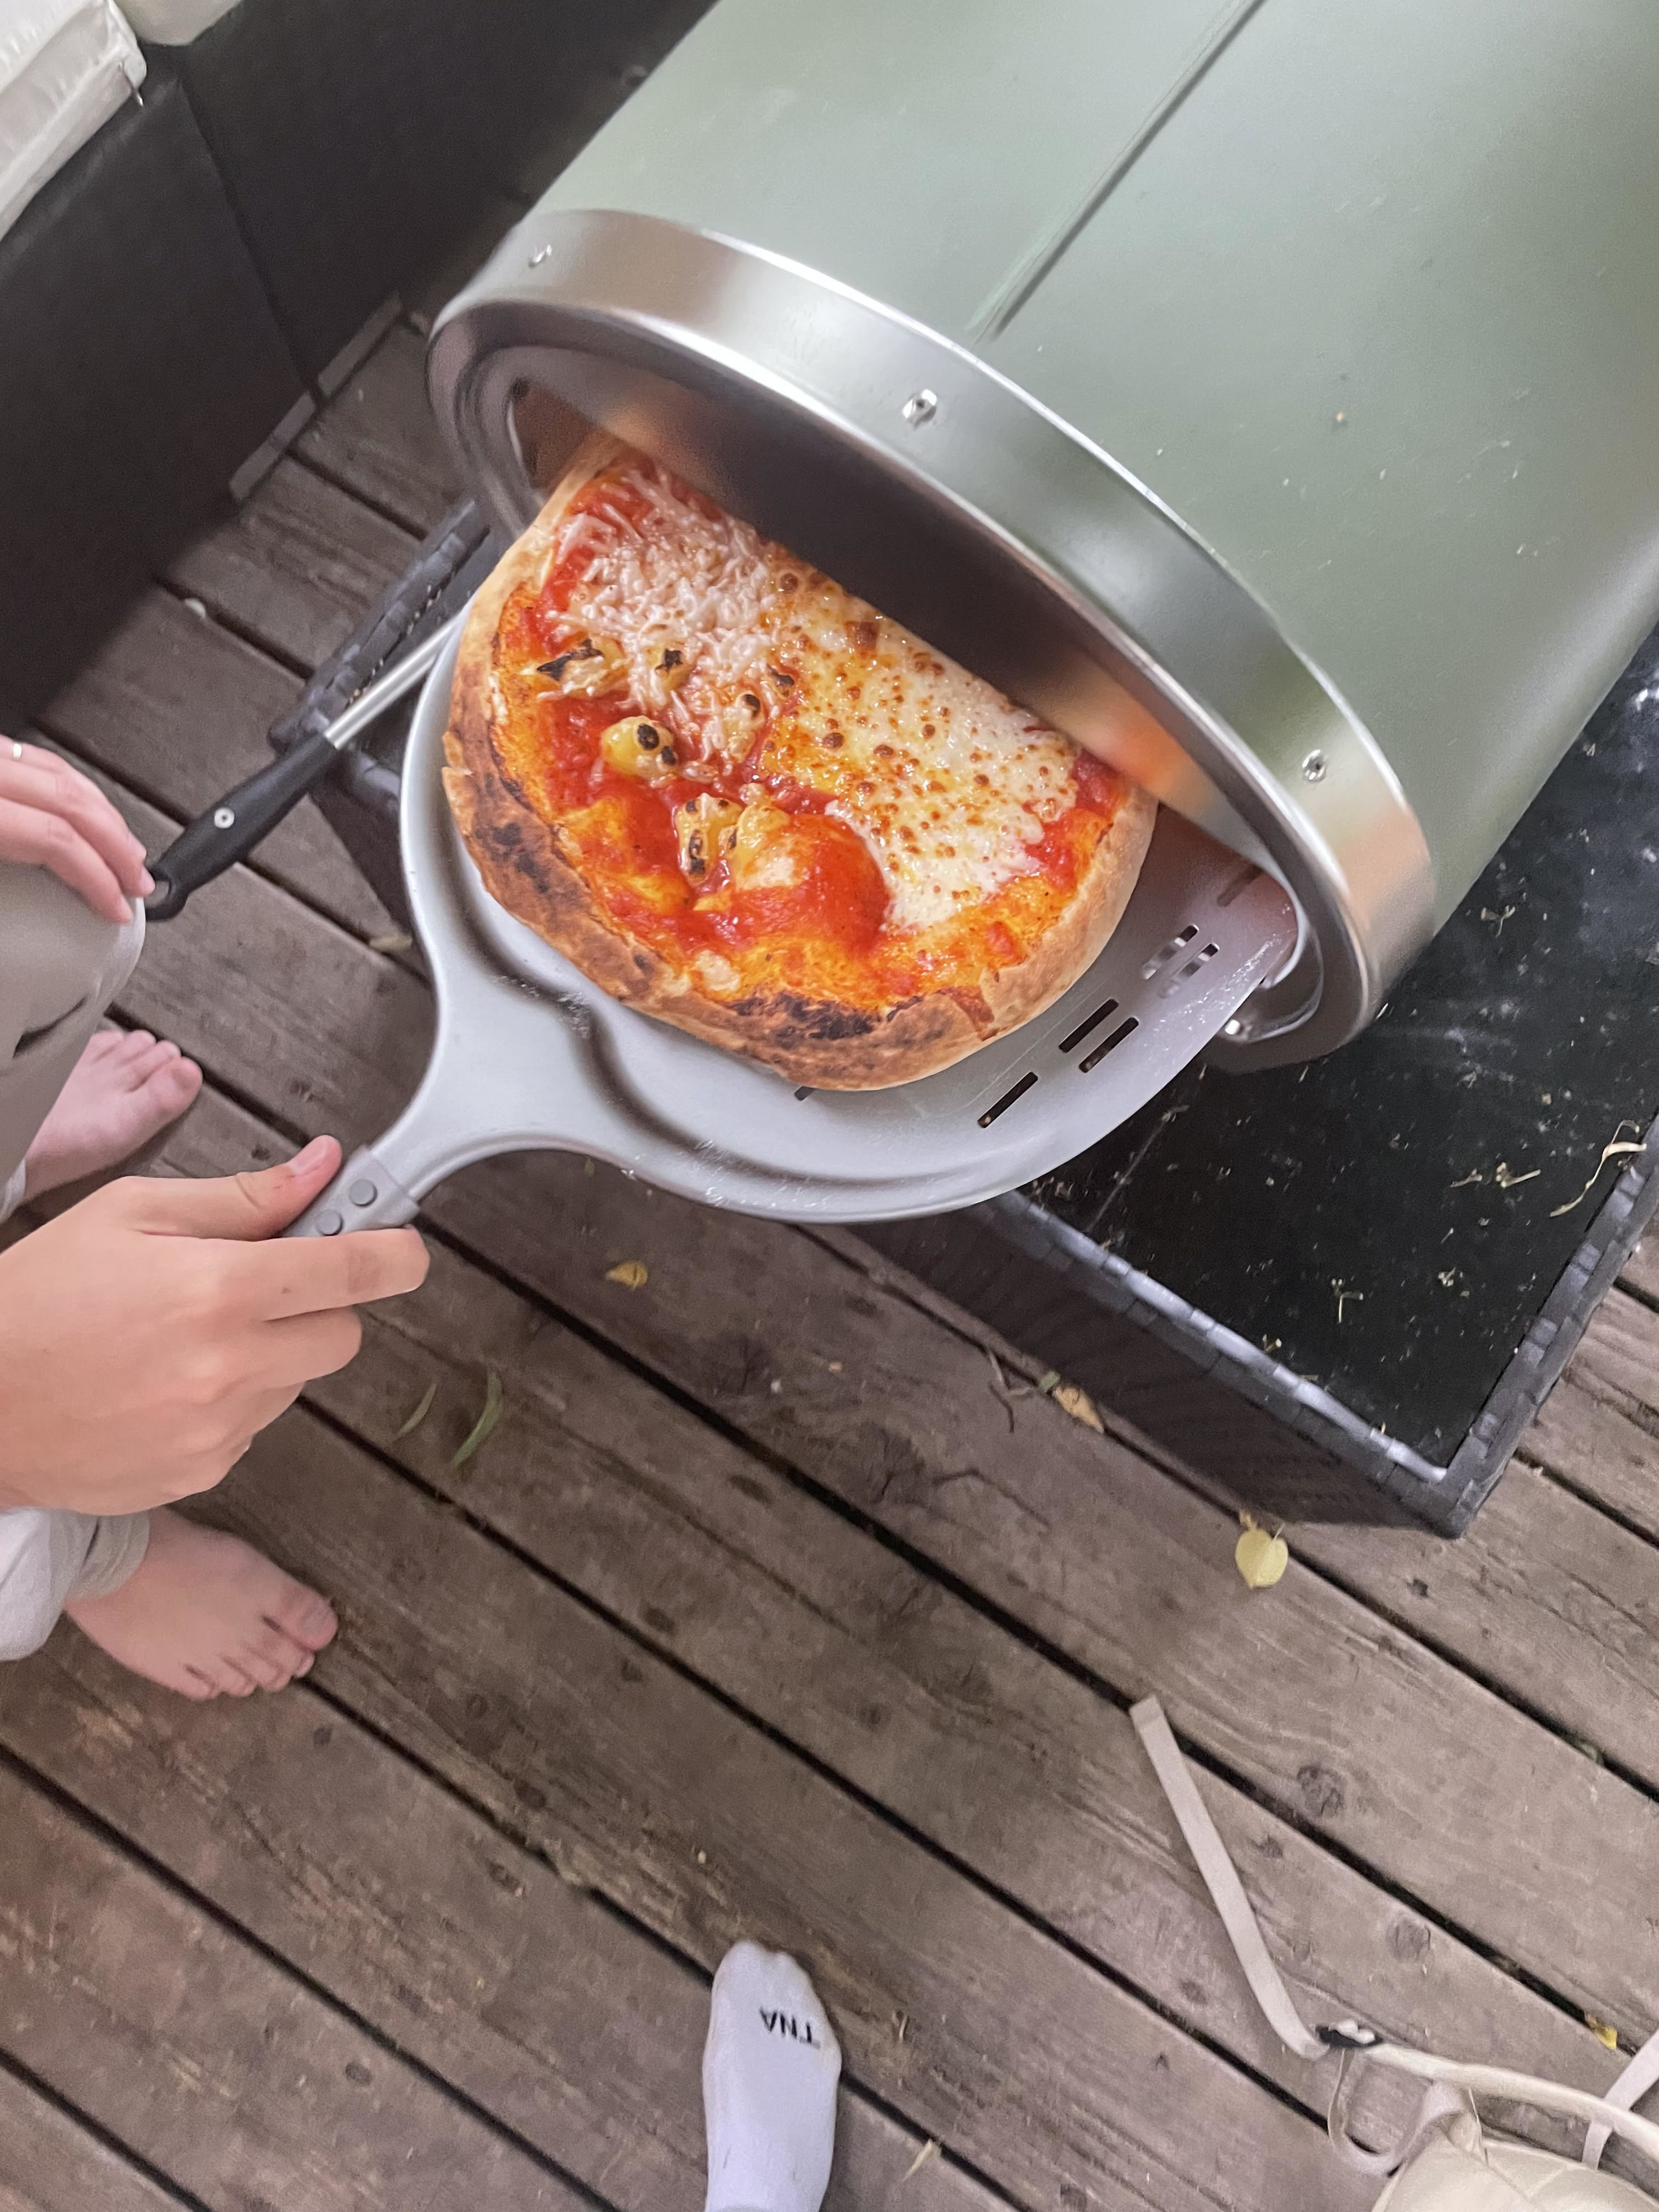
x=247, y=1207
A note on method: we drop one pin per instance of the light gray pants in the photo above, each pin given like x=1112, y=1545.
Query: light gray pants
x=60, y=966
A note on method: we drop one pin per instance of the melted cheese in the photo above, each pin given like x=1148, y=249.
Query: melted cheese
x=948, y=784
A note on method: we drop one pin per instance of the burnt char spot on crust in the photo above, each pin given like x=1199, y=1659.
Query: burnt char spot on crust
x=506, y=841
x=808, y=1018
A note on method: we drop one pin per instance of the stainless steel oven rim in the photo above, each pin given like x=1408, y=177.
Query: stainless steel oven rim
x=704, y=349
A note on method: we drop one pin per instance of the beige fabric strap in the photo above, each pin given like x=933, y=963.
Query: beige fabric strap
x=1221, y=1880
x=1632, y=2084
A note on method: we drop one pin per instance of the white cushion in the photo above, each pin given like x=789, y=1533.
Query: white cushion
x=175, y=22
x=65, y=67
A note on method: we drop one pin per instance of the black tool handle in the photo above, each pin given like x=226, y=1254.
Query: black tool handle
x=230, y=828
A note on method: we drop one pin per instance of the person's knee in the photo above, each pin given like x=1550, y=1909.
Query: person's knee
x=42, y=1553
x=60, y=956
x=27, y=1617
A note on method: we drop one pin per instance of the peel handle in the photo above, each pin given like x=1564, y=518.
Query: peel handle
x=233, y=825
x=364, y=1195
x=229, y=829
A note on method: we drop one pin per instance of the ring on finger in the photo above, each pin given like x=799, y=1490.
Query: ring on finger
x=17, y=749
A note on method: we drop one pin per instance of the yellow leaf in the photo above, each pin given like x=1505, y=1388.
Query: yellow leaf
x=1602, y=2032
x=632, y=1274
x=929, y=2149
x=1262, y=1558
x=1079, y=1405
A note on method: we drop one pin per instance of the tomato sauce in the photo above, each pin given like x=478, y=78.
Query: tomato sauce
x=823, y=930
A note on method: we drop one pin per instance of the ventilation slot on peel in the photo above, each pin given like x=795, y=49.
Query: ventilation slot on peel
x=1165, y=953
x=1071, y=1043
x=1007, y=1100
x=1123, y=1030
x=1242, y=881
x=1188, y=969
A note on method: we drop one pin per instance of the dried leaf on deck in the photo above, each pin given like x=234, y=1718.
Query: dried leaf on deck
x=419, y=1413
x=1079, y=1405
x=1261, y=1555
x=484, y=1427
x=1602, y=2031
x=929, y=2149
x=632, y=1274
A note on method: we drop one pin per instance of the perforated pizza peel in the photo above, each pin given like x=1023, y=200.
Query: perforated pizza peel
x=529, y=1055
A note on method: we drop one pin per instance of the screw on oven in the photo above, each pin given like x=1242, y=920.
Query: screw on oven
x=224, y=817
x=921, y=407
x=540, y=255
x=1315, y=766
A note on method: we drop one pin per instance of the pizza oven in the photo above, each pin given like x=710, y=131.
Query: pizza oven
x=1265, y=393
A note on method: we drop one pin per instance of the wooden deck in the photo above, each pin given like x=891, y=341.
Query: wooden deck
x=766, y=1610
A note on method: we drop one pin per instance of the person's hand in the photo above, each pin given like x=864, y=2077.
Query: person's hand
x=149, y=1333
x=53, y=817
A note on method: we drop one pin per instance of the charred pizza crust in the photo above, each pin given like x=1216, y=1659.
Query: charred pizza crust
x=825, y=1044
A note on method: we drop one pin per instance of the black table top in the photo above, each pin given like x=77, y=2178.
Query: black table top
x=1387, y=1221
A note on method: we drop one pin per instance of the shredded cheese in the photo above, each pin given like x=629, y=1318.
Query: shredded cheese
x=948, y=784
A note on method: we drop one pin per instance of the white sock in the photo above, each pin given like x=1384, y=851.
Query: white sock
x=770, y=2069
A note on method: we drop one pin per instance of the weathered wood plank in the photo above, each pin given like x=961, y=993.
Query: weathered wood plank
x=1041, y=2074
x=1545, y=1595
x=377, y=436
x=1019, y=1771
x=1599, y=1427
x=568, y=2026
x=50, y=2163
x=189, y=2046
x=179, y=709
x=1350, y=1724
x=295, y=566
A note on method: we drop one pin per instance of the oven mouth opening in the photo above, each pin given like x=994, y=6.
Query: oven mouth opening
x=870, y=541
x=979, y=521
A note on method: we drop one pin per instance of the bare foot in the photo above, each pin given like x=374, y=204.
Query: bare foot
x=126, y=1087
x=206, y=1612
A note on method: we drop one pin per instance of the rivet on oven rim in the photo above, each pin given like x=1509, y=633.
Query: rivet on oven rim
x=541, y=254
x=223, y=818
x=921, y=407
x=1315, y=766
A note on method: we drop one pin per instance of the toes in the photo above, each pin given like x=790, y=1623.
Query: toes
x=302, y=1613
x=219, y=1678
x=129, y=1044
x=193, y=1683
x=101, y=1043
x=176, y=1084
x=268, y=1674
x=273, y=1657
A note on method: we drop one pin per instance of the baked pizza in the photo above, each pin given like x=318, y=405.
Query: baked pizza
x=741, y=799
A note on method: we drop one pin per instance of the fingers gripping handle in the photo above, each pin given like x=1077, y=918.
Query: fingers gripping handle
x=363, y=1195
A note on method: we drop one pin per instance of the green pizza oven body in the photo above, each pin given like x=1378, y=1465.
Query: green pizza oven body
x=1269, y=394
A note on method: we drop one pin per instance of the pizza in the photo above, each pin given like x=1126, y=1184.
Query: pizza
x=741, y=799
